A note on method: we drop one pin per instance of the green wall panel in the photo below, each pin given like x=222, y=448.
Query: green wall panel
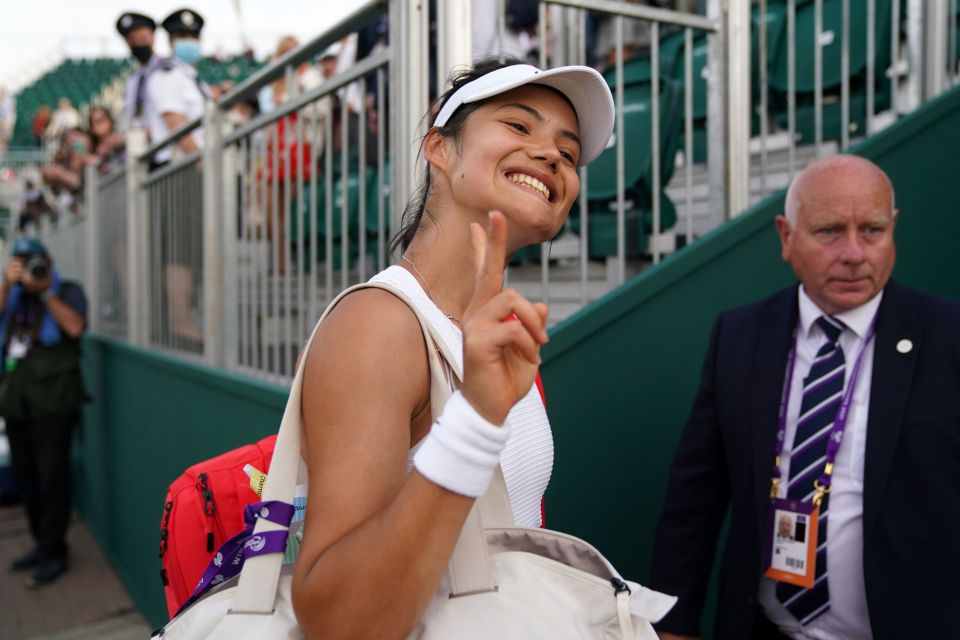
x=620, y=375
x=153, y=416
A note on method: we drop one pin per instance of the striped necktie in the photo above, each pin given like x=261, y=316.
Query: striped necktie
x=822, y=394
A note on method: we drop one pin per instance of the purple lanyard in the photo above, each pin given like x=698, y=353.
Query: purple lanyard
x=822, y=484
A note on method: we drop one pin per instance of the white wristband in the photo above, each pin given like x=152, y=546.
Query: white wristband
x=462, y=449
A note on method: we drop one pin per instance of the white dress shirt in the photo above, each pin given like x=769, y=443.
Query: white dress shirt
x=847, y=618
x=173, y=89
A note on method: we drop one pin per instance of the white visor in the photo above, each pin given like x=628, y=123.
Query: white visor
x=584, y=87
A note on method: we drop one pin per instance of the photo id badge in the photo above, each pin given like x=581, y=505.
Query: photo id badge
x=18, y=347
x=792, y=542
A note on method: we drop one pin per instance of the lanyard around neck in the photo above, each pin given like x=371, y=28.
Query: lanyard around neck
x=821, y=484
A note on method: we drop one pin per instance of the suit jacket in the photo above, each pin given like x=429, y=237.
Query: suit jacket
x=911, y=495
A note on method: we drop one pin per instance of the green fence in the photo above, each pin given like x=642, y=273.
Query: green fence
x=619, y=376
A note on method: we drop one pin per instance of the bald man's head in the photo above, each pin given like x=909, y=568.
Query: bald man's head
x=841, y=166
x=837, y=231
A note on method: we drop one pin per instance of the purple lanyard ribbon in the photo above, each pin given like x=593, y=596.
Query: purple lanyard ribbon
x=839, y=422
x=229, y=559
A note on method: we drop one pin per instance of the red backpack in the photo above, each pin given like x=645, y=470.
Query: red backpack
x=203, y=509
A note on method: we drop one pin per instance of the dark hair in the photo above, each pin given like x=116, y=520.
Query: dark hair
x=413, y=212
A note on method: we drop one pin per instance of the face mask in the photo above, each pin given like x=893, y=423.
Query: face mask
x=187, y=51
x=142, y=54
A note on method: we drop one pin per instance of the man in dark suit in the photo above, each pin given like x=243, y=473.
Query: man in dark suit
x=846, y=358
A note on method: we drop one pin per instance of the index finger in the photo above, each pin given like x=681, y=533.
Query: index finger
x=491, y=247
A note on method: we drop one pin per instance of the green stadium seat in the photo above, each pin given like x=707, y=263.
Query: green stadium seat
x=832, y=30
x=602, y=176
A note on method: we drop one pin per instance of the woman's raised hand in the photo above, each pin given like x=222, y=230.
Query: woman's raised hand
x=502, y=330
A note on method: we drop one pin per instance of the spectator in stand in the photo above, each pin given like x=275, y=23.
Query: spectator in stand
x=31, y=206
x=308, y=77
x=106, y=142
x=520, y=37
x=41, y=120
x=175, y=94
x=636, y=33
x=8, y=116
x=138, y=32
x=65, y=173
x=285, y=154
x=64, y=119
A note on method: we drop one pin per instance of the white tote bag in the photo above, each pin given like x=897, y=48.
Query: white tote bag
x=504, y=581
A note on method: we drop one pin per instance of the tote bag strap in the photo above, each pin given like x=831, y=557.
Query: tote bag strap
x=469, y=566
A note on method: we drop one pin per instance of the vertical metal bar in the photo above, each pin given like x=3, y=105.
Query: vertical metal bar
x=716, y=115
x=285, y=249
x=655, y=135
x=275, y=280
x=952, y=42
x=300, y=214
x=542, y=34
x=408, y=91
x=501, y=27
x=328, y=197
x=230, y=244
x=917, y=73
x=688, y=127
x=738, y=106
x=362, y=191
x=935, y=33
x=382, y=231
x=584, y=181
x=314, y=252
x=217, y=231
x=845, y=75
x=792, y=85
x=871, y=63
x=441, y=44
x=818, y=75
x=92, y=249
x=243, y=270
x=763, y=97
x=894, y=57
x=136, y=144
x=262, y=251
x=621, y=187
x=343, y=201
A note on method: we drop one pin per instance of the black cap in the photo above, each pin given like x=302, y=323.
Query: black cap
x=129, y=21
x=183, y=21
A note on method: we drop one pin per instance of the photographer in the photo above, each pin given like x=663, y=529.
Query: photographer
x=41, y=320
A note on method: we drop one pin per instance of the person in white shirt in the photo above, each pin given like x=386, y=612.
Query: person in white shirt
x=838, y=392
x=137, y=31
x=175, y=95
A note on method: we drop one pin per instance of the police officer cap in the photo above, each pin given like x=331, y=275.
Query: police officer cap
x=183, y=21
x=129, y=21
x=28, y=247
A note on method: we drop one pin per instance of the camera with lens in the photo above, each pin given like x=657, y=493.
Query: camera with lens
x=38, y=267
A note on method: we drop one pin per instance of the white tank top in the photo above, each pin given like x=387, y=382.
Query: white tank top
x=527, y=458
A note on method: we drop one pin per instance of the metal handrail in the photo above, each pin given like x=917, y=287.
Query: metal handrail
x=643, y=12
x=356, y=72
x=303, y=53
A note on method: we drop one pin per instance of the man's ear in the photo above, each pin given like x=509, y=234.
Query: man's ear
x=435, y=149
x=784, y=231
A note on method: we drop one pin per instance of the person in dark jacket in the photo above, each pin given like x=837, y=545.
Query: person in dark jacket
x=41, y=320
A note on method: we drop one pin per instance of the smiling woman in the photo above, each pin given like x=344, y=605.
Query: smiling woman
x=390, y=486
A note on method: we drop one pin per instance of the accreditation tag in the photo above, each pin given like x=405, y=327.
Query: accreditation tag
x=792, y=542
x=18, y=347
